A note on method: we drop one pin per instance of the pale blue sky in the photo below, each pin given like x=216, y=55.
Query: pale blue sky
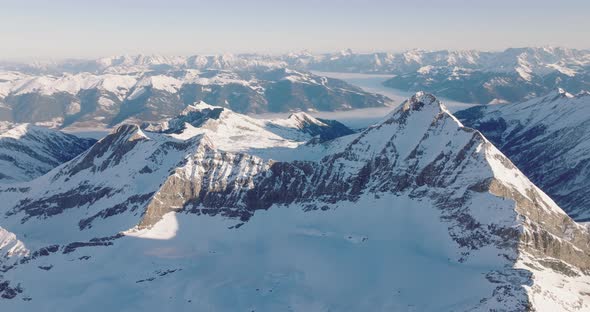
x=83, y=28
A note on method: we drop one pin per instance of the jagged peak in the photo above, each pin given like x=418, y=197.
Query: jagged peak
x=420, y=100
x=129, y=139
x=419, y=114
x=423, y=103
x=119, y=141
x=124, y=128
x=125, y=132
x=195, y=115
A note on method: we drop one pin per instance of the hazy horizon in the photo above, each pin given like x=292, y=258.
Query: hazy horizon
x=17, y=60
x=66, y=29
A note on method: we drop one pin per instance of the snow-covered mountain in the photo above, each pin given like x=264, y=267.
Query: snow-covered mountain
x=129, y=64
x=467, y=76
x=498, y=77
x=525, y=61
x=548, y=138
x=27, y=151
x=265, y=138
x=85, y=99
x=416, y=206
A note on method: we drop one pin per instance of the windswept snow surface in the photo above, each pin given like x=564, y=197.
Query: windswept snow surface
x=284, y=260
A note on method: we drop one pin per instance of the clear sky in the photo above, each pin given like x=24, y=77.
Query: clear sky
x=81, y=29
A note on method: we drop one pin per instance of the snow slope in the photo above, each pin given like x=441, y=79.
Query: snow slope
x=548, y=138
x=469, y=76
x=27, y=151
x=267, y=138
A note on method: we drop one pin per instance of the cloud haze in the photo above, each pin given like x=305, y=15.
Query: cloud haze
x=61, y=28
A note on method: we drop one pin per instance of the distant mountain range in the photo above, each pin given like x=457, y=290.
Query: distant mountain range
x=130, y=64
x=468, y=76
x=106, y=99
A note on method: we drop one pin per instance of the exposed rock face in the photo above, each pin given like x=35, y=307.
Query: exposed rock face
x=547, y=138
x=498, y=224
x=27, y=152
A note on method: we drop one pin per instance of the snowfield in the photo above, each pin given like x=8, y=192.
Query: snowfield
x=285, y=259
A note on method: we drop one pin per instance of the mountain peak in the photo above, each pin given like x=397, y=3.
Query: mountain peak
x=420, y=100
x=128, y=132
x=203, y=108
x=424, y=106
x=195, y=115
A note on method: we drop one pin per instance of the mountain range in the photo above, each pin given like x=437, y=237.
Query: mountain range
x=168, y=216
x=106, y=99
x=548, y=139
x=468, y=76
